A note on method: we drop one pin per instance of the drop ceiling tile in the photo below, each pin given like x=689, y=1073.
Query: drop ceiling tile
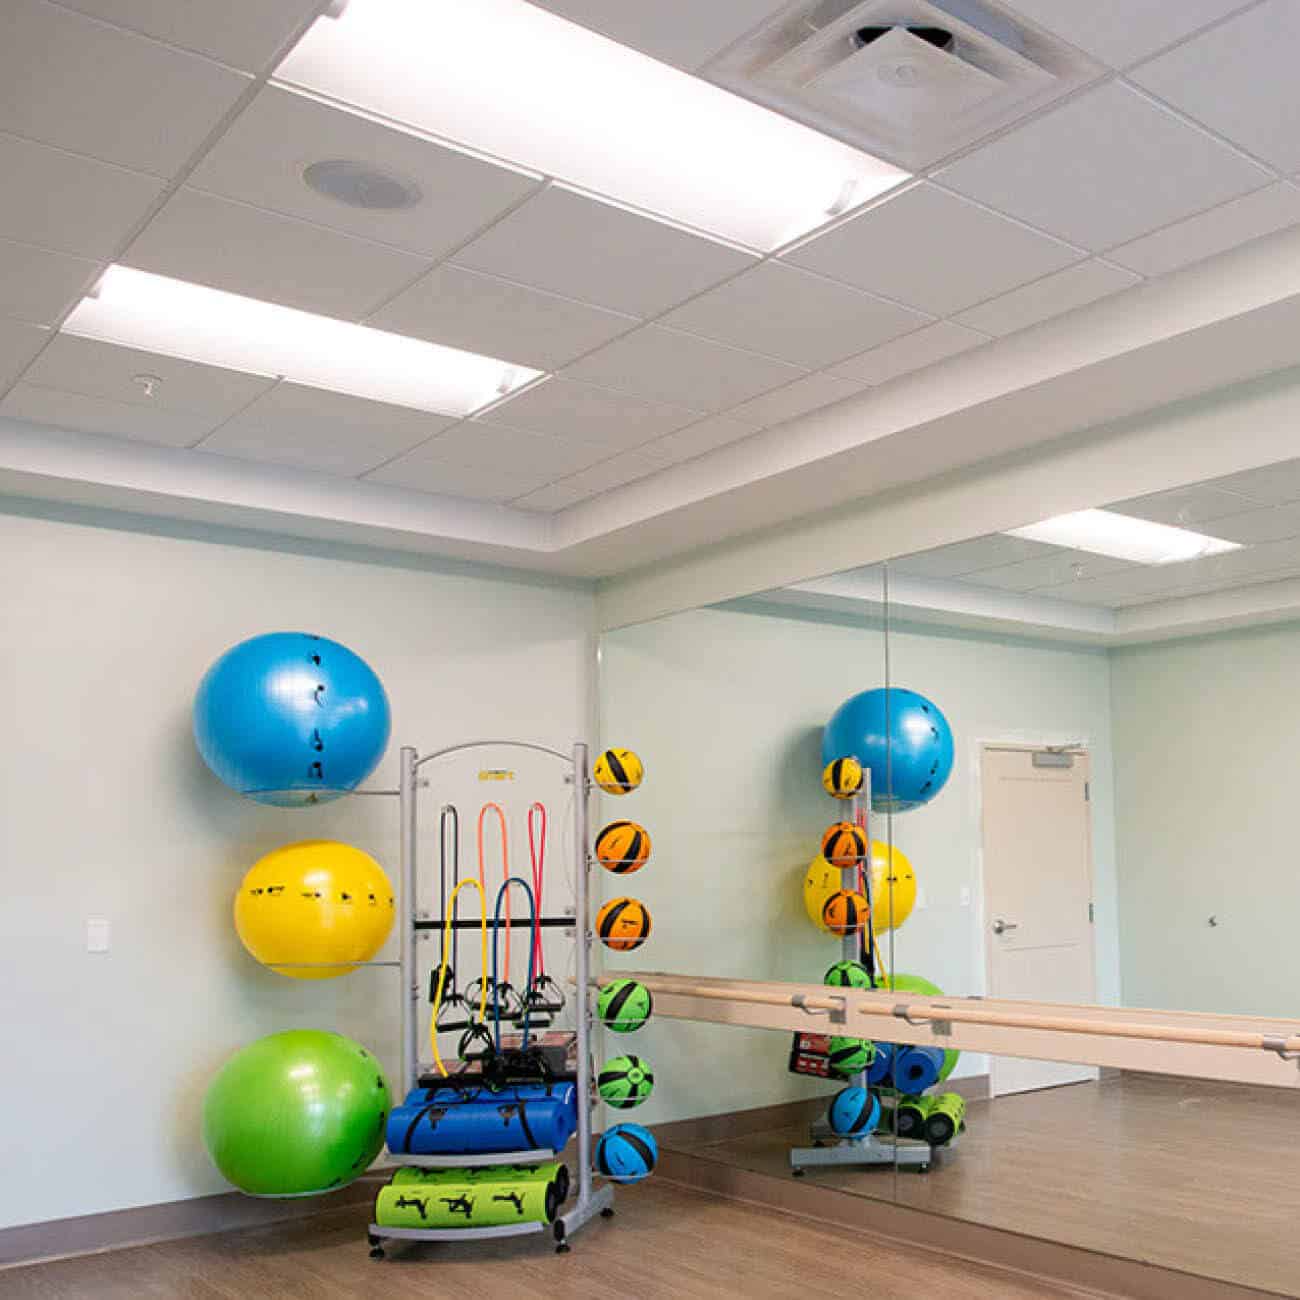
x=933, y=250
x=476, y=444
x=1060, y=569
x=293, y=424
x=784, y=312
x=566, y=409
x=242, y=33
x=1195, y=238
x=963, y=559
x=263, y=255
x=39, y=286
x=1271, y=524
x=1053, y=295
x=913, y=351
x=160, y=425
x=1121, y=33
x=1268, y=485
x=104, y=370
x=1128, y=587
x=569, y=244
x=798, y=398
x=419, y=471
x=1104, y=168
x=261, y=158
x=706, y=435
x=483, y=314
x=669, y=366
x=81, y=85
x=682, y=32
x=1185, y=507
x=552, y=497
x=626, y=467
x=19, y=343
x=1240, y=80
x=74, y=205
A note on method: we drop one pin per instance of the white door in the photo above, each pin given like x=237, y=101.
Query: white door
x=1037, y=894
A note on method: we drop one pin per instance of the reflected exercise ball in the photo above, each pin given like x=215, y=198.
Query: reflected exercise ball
x=889, y=907
x=902, y=738
x=304, y=907
x=296, y=1113
x=291, y=719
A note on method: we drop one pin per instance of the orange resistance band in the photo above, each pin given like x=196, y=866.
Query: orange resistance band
x=505, y=868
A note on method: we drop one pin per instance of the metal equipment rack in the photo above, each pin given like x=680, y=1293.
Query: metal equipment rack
x=590, y=1200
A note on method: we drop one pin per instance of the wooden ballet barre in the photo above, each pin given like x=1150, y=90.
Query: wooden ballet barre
x=1188, y=1043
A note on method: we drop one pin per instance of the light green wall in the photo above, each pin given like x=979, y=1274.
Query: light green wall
x=727, y=706
x=1207, y=762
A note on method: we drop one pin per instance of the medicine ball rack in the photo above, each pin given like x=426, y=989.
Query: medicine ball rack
x=829, y=1151
x=590, y=1200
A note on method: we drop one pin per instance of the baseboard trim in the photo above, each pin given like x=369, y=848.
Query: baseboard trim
x=1047, y=1261
x=32, y=1243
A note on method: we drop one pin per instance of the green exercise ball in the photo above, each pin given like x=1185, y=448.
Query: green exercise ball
x=915, y=984
x=296, y=1113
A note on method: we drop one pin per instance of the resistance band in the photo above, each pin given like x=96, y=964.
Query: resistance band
x=498, y=991
x=544, y=997
x=452, y=1002
x=442, y=969
x=504, y=893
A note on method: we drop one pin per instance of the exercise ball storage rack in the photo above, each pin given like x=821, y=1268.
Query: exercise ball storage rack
x=590, y=1200
x=830, y=1151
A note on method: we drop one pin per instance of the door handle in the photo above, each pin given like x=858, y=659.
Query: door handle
x=1001, y=927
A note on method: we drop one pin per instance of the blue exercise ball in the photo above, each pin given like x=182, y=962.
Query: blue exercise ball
x=902, y=738
x=291, y=719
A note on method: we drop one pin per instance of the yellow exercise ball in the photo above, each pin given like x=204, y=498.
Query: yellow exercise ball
x=314, y=904
x=888, y=909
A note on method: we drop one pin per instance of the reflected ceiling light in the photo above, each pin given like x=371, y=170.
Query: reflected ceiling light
x=524, y=86
x=1122, y=537
x=158, y=314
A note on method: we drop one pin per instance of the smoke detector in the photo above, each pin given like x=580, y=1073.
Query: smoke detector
x=361, y=185
x=911, y=81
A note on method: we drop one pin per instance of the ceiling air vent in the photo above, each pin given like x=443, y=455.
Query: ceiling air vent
x=911, y=81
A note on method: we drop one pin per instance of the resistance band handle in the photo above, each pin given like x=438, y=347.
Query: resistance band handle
x=504, y=893
x=442, y=969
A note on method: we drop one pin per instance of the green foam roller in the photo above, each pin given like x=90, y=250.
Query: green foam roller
x=471, y=1202
x=910, y=1115
x=946, y=1115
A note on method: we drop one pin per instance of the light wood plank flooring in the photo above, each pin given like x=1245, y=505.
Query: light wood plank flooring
x=1191, y=1175
x=665, y=1242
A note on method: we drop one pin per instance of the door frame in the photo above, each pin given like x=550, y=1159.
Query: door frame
x=1026, y=743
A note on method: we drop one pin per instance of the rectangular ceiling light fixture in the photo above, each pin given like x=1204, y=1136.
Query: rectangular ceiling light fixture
x=533, y=90
x=1122, y=537
x=141, y=310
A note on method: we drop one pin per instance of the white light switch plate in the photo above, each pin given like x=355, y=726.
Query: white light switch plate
x=98, y=934
x=965, y=895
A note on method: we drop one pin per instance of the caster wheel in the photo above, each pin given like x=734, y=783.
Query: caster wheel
x=563, y=1248
x=376, y=1252
x=923, y=1169
x=797, y=1173
x=819, y=1143
x=607, y=1213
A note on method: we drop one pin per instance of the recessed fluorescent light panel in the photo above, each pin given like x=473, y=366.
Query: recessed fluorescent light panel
x=1103, y=532
x=157, y=314
x=517, y=83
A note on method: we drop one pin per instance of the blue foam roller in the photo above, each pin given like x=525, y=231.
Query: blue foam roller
x=481, y=1127
x=881, y=1069
x=917, y=1068
x=450, y=1094
x=291, y=719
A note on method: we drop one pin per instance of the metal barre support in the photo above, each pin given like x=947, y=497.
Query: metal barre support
x=1275, y=1043
x=836, y=1013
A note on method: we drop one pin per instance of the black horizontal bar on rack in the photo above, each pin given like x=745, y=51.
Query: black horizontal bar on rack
x=515, y=923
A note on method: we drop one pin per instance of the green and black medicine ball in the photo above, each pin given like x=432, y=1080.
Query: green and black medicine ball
x=625, y=1081
x=847, y=975
x=849, y=1055
x=624, y=1005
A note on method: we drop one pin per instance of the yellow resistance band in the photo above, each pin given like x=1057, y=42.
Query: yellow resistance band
x=442, y=970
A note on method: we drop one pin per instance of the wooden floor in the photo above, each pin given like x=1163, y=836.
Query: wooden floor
x=664, y=1242
x=1191, y=1175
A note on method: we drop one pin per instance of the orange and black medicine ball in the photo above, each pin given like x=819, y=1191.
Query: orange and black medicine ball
x=844, y=844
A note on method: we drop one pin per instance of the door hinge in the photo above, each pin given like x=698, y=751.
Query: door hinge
x=1091, y=914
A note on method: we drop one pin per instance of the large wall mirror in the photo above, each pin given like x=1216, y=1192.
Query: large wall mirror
x=1114, y=824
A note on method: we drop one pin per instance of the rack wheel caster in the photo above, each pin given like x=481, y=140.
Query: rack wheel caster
x=561, y=1245
x=923, y=1169
x=797, y=1173
x=376, y=1252
x=607, y=1213
x=817, y=1142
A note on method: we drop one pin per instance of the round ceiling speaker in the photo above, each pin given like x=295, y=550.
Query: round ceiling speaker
x=361, y=185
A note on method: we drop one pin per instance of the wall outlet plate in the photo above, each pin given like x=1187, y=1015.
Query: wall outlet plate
x=98, y=934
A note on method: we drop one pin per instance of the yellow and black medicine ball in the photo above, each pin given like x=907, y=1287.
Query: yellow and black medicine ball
x=842, y=777
x=844, y=844
x=618, y=771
